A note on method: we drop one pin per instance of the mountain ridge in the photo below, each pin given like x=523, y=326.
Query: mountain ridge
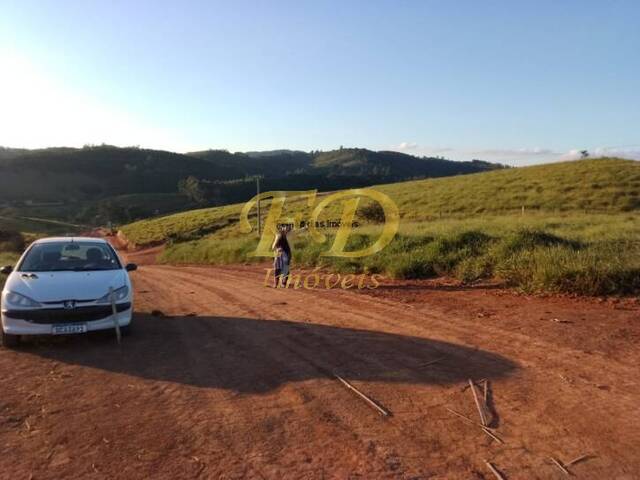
x=98, y=172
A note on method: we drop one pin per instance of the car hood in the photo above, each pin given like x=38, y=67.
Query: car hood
x=60, y=286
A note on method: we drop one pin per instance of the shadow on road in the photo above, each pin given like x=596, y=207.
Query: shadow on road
x=251, y=355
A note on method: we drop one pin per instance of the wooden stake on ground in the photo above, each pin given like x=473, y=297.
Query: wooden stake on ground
x=476, y=383
x=493, y=469
x=483, y=418
x=560, y=466
x=486, y=391
x=577, y=460
x=492, y=435
x=114, y=312
x=371, y=402
x=463, y=417
x=484, y=429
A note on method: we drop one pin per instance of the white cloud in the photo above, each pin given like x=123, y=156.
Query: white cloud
x=632, y=153
x=417, y=149
x=406, y=146
x=520, y=156
x=516, y=152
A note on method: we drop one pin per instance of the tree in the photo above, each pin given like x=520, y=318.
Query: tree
x=584, y=153
x=191, y=188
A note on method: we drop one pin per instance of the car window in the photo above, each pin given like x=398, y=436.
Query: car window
x=69, y=256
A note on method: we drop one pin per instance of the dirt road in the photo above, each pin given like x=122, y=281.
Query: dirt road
x=229, y=379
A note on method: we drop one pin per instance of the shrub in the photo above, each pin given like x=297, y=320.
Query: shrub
x=11, y=241
x=471, y=269
x=373, y=212
x=410, y=267
x=526, y=239
x=447, y=252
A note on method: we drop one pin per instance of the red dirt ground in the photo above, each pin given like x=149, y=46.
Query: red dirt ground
x=229, y=379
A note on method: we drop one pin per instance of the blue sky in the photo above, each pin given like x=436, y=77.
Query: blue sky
x=517, y=82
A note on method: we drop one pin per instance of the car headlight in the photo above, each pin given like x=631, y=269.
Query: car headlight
x=119, y=294
x=17, y=300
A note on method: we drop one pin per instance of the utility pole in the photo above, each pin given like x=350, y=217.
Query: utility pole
x=259, y=218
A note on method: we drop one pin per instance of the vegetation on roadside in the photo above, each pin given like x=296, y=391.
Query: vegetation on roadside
x=35, y=226
x=568, y=254
x=11, y=246
x=7, y=258
x=568, y=227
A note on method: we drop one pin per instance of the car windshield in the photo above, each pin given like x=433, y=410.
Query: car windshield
x=69, y=256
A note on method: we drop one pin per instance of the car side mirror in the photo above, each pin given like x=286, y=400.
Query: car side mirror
x=7, y=269
x=130, y=267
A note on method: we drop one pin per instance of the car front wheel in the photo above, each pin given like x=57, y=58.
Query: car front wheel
x=9, y=341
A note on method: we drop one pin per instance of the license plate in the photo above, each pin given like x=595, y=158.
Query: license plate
x=69, y=328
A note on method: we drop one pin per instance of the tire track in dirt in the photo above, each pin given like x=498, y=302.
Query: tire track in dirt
x=403, y=429
x=309, y=347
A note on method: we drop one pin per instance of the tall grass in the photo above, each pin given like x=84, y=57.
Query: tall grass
x=11, y=246
x=572, y=254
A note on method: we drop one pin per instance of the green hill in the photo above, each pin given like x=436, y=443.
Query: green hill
x=53, y=182
x=579, y=230
x=96, y=172
x=598, y=185
x=391, y=166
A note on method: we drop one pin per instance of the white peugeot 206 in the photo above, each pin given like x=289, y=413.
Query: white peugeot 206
x=66, y=285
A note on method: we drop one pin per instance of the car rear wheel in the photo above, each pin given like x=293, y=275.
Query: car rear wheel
x=9, y=341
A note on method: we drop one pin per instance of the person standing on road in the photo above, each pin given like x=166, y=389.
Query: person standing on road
x=282, y=258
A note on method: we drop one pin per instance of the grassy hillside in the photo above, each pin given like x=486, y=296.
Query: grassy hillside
x=184, y=224
x=591, y=186
x=580, y=230
x=34, y=226
x=605, y=185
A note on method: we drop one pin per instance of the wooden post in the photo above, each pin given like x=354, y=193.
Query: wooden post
x=259, y=218
x=483, y=418
x=381, y=410
x=114, y=312
x=494, y=470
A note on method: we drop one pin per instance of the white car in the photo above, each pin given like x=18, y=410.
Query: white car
x=65, y=285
